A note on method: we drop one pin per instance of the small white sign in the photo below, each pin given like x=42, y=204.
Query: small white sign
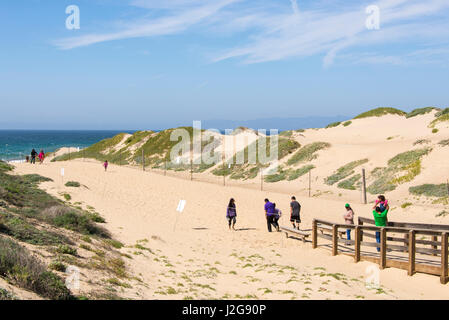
x=229, y=166
x=62, y=171
x=181, y=205
x=178, y=159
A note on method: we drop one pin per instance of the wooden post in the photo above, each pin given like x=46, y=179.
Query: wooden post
x=261, y=179
x=435, y=247
x=383, y=248
x=334, y=240
x=165, y=168
x=411, y=252
x=364, y=186
x=143, y=160
x=406, y=241
x=224, y=173
x=310, y=182
x=443, y=278
x=357, y=244
x=360, y=223
x=314, y=234
x=191, y=170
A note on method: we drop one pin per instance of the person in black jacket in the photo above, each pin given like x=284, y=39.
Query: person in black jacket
x=33, y=156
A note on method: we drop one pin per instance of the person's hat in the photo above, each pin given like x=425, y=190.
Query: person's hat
x=347, y=205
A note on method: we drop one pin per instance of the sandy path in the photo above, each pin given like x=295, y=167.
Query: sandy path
x=202, y=259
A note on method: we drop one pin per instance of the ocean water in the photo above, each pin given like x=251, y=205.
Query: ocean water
x=16, y=144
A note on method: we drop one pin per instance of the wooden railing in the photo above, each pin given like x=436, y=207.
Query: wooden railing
x=437, y=248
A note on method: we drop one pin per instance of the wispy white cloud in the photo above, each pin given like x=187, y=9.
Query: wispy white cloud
x=170, y=24
x=277, y=30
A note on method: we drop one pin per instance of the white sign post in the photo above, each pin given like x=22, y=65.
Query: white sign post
x=180, y=209
x=62, y=176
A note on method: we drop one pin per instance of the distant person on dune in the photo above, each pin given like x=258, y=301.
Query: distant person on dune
x=349, y=219
x=270, y=213
x=105, y=165
x=380, y=219
x=33, y=156
x=231, y=214
x=41, y=156
x=295, y=209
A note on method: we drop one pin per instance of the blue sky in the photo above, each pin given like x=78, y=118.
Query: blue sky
x=134, y=64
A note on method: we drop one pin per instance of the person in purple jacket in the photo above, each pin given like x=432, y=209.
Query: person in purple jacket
x=270, y=213
x=231, y=214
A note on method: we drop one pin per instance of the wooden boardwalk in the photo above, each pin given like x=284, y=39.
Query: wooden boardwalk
x=414, y=247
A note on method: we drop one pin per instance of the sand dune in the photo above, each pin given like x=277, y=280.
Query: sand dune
x=203, y=259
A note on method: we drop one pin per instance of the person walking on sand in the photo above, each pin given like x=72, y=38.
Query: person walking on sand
x=380, y=219
x=278, y=214
x=231, y=214
x=33, y=156
x=270, y=212
x=41, y=156
x=105, y=165
x=349, y=219
x=295, y=209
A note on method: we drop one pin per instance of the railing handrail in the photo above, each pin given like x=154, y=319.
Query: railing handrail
x=420, y=226
x=387, y=228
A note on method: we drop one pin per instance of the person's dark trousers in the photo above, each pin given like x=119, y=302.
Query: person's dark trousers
x=378, y=240
x=271, y=221
x=33, y=160
x=348, y=234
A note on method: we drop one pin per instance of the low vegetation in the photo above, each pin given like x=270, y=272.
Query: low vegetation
x=347, y=123
x=430, y=190
x=307, y=153
x=73, y=184
x=402, y=168
x=26, y=271
x=379, y=112
x=333, y=124
x=288, y=174
x=444, y=143
x=421, y=141
x=420, y=111
x=344, y=171
x=351, y=183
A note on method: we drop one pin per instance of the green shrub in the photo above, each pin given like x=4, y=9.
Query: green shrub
x=333, y=124
x=5, y=167
x=65, y=249
x=444, y=143
x=6, y=295
x=57, y=265
x=307, y=153
x=430, y=190
x=344, y=171
x=435, y=130
x=420, y=111
x=73, y=184
x=347, y=123
x=67, y=196
x=26, y=271
x=408, y=163
x=421, y=141
x=22, y=230
x=406, y=204
x=349, y=184
x=442, y=113
x=379, y=112
x=295, y=174
x=114, y=243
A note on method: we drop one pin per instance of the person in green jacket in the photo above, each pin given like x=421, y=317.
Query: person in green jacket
x=380, y=219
